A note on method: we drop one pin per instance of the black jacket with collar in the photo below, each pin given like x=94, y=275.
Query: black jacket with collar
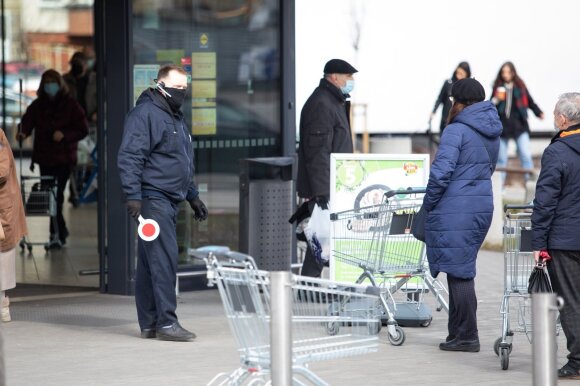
x=556, y=216
x=324, y=129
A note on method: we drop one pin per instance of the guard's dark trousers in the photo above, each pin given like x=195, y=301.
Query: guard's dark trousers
x=564, y=270
x=462, y=309
x=157, y=267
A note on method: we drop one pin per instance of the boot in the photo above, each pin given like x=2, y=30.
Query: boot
x=5, y=313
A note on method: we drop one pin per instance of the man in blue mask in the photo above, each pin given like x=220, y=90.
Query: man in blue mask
x=324, y=129
x=156, y=169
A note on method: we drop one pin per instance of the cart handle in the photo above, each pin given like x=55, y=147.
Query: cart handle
x=508, y=207
x=409, y=190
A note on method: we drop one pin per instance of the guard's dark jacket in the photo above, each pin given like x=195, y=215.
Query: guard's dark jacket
x=156, y=154
x=324, y=129
x=556, y=216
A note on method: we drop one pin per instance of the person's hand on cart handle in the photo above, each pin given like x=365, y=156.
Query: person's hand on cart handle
x=134, y=208
x=57, y=136
x=20, y=136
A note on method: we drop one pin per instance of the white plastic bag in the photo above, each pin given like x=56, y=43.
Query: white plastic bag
x=318, y=234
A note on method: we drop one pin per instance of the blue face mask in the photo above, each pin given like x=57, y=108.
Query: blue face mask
x=348, y=87
x=51, y=89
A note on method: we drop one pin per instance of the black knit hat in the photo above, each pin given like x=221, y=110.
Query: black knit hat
x=467, y=90
x=338, y=66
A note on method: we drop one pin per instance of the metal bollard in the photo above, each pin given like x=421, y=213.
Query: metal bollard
x=281, y=328
x=544, y=308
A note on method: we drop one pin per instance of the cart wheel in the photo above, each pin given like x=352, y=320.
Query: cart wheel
x=504, y=357
x=496, y=346
x=399, y=339
x=332, y=328
x=427, y=323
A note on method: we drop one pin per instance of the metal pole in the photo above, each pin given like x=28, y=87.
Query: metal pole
x=281, y=328
x=544, y=309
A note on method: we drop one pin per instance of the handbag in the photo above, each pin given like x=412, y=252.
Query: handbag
x=418, y=224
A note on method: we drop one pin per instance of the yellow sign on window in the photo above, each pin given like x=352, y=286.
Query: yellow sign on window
x=203, y=93
x=203, y=121
x=203, y=65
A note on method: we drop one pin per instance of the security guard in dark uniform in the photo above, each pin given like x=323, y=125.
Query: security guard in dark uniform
x=324, y=129
x=156, y=169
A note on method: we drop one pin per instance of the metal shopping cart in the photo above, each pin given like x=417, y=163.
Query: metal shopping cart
x=377, y=240
x=329, y=320
x=518, y=265
x=39, y=198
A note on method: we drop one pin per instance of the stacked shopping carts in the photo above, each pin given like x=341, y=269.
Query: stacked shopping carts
x=518, y=265
x=329, y=320
x=377, y=241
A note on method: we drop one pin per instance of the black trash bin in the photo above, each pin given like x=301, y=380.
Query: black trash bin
x=267, y=201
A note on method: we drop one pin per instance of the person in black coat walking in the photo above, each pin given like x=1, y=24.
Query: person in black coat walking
x=512, y=98
x=462, y=71
x=556, y=221
x=324, y=129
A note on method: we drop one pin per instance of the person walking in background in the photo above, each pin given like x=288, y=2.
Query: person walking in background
x=13, y=223
x=324, y=129
x=77, y=79
x=156, y=168
x=462, y=71
x=459, y=205
x=556, y=221
x=59, y=123
x=512, y=98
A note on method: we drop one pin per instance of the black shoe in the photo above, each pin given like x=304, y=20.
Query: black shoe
x=449, y=338
x=148, y=333
x=175, y=333
x=460, y=345
x=568, y=372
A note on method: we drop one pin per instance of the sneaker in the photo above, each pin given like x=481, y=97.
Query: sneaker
x=568, y=372
x=148, y=333
x=460, y=345
x=175, y=333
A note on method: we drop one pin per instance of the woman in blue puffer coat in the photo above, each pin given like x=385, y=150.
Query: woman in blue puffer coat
x=459, y=205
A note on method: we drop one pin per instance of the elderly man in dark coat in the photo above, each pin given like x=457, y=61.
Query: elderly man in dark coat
x=324, y=129
x=459, y=205
x=556, y=221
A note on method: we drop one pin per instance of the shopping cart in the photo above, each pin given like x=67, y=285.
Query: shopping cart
x=377, y=240
x=39, y=198
x=329, y=320
x=518, y=265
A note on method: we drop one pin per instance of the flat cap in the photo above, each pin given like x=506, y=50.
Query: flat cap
x=338, y=66
x=467, y=90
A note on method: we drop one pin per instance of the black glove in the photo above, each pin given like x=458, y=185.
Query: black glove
x=199, y=209
x=322, y=202
x=134, y=208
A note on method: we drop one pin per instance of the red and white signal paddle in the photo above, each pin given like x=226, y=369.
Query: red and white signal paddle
x=148, y=229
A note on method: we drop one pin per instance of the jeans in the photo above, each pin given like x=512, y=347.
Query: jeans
x=524, y=153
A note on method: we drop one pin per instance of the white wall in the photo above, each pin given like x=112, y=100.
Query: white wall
x=408, y=48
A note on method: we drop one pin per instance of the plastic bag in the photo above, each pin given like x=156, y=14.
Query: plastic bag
x=318, y=234
x=539, y=281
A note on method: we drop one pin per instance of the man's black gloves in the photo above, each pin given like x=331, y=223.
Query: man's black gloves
x=199, y=209
x=322, y=202
x=134, y=208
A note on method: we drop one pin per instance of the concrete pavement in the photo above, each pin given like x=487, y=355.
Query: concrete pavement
x=92, y=339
